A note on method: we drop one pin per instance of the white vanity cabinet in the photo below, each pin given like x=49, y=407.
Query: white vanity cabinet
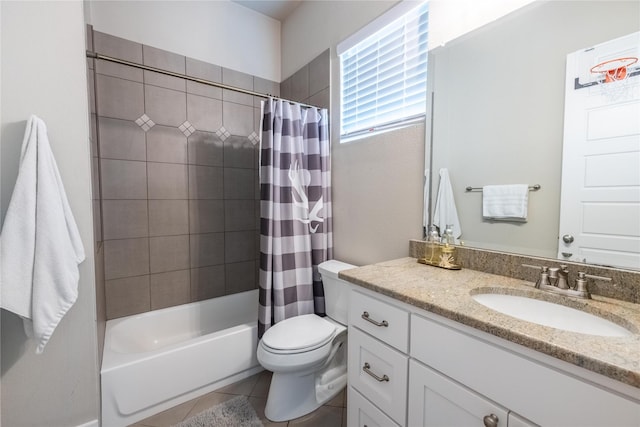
x=378, y=362
x=409, y=367
x=517, y=381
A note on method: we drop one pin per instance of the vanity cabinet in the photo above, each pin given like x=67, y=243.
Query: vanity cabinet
x=542, y=392
x=442, y=373
x=378, y=362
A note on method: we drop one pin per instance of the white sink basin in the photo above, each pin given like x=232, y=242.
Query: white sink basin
x=550, y=314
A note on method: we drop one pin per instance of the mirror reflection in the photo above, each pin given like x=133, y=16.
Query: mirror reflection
x=499, y=118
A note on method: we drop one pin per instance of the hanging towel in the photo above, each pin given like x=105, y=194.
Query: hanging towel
x=445, y=211
x=505, y=202
x=40, y=244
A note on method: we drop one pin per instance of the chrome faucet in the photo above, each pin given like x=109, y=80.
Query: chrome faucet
x=559, y=277
x=556, y=280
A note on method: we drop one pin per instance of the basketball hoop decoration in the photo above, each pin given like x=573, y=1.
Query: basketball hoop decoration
x=614, y=76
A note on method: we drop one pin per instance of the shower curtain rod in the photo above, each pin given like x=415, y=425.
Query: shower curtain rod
x=95, y=55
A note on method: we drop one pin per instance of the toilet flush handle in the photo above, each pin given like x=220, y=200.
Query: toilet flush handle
x=365, y=316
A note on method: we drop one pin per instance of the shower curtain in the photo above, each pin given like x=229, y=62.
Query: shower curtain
x=295, y=210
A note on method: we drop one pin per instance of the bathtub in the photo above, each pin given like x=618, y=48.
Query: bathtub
x=162, y=358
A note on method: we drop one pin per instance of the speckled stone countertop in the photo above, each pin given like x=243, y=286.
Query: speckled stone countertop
x=448, y=293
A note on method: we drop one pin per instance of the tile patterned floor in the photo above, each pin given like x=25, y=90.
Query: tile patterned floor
x=256, y=387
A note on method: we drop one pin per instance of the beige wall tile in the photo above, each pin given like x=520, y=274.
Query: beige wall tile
x=167, y=181
x=127, y=296
x=125, y=219
x=125, y=101
x=168, y=217
x=205, y=182
x=168, y=253
x=126, y=257
x=205, y=148
x=170, y=289
x=207, y=282
x=206, y=249
x=123, y=179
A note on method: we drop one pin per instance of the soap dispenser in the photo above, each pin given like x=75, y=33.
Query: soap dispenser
x=433, y=247
x=448, y=257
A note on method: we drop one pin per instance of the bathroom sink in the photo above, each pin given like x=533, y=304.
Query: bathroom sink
x=549, y=314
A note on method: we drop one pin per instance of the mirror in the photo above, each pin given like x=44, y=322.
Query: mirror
x=498, y=113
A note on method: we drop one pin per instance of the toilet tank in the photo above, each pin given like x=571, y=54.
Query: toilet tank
x=336, y=291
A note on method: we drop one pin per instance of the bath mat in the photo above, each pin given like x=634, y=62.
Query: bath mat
x=236, y=412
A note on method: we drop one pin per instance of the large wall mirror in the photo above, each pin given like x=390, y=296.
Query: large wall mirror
x=498, y=113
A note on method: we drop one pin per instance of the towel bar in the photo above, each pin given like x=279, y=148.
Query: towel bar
x=535, y=187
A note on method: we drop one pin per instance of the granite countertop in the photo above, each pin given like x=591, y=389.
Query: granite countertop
x=448, y=294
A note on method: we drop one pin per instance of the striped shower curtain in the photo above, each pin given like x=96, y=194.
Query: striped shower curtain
x=295, y=210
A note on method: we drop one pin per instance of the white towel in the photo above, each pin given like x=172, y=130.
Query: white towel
x=505, y=202
x=445, y=211
x=40, y=243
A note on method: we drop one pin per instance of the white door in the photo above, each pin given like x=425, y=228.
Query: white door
x=600, y=199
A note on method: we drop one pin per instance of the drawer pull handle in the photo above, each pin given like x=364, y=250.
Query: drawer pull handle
x=491, y=420
x=367, y=369
x=366, y=317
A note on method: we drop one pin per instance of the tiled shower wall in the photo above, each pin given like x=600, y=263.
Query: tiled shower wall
x=177, y=162
x=310, y=84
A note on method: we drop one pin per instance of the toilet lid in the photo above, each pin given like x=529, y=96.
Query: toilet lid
x=301, y=332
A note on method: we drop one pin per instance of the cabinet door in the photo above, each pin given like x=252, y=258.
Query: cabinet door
x=437, y=401
x=362, y=413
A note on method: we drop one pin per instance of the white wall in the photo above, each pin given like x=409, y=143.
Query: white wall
x=377, y=181
x=43, y=73
x=219, y=32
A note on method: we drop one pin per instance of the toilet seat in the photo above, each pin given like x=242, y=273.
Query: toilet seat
x=299, y=334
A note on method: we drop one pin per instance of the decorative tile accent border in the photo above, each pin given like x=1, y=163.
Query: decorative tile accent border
x=187, y=128
x=223, y=133
x=145, y=122
x=254, y=138
x=625, y=284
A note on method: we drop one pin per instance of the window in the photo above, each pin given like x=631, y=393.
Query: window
x=383, y=76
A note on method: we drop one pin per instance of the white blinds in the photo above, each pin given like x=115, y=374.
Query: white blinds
x=383, y=77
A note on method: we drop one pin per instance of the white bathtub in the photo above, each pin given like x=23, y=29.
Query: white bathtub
x=162, y=358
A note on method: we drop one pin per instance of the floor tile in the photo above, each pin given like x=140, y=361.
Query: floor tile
x=256, y=387
x=243, y=387
x=337, y=401
x=258, y=404
x=324, y=416
x=261, y=389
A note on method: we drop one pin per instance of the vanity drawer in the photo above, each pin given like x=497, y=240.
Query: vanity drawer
x=380, y=319
x=362, y=413
x=379, y=372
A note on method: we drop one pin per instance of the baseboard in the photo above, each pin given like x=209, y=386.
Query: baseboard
x=92, y=423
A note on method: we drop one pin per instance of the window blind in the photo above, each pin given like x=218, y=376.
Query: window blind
x=383, y=78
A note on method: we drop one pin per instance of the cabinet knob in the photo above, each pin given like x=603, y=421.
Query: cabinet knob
x=490, y=420
x=568, y=238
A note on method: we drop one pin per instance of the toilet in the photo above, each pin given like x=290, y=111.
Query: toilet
x=308, y=354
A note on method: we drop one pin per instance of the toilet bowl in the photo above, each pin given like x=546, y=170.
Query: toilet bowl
x=308, y=354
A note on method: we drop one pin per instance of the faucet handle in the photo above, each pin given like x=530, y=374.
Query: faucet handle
x=581, y=281
x=544, y=274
